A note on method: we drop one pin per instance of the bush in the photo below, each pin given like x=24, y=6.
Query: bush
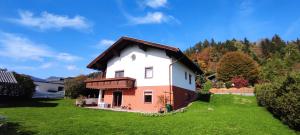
x=228, y=85
x=273, y=68
x=237, y=64
x=239, y=82
x=219, y=84
x=26, y=87
x=282, y=98
x=207, y=86
x=75, y=87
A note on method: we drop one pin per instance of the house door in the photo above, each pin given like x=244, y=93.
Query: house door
x=117, y=98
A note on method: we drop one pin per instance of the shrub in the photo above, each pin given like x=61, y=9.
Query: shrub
x=80, y=101
x=282, y=98
x=75, y=87
x=26, y=87
x=239, y=82
x=237, y=64
x=228, y=85
x=272, y=68
x=219, y=84
x=207, y=86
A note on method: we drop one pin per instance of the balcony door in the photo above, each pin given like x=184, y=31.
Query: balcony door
x=117, y=98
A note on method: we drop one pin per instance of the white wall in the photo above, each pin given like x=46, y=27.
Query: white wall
x=178, y=76
x=151, y=58
x=136, y=69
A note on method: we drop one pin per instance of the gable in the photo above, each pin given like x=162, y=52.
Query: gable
x=100, y=63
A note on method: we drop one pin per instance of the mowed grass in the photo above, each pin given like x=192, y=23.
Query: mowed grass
x=225, y=114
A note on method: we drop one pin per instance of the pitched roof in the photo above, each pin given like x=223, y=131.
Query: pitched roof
x=52, y=80
x=100, y=62
x=7, y=77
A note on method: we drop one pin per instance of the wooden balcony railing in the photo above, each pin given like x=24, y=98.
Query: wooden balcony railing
x=110, y=83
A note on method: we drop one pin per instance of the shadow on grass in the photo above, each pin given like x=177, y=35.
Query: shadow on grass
x=11, y=128
x=41, y=102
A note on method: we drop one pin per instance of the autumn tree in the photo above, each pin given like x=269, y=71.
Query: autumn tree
x=234, y=64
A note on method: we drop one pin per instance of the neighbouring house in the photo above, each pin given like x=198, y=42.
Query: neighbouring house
x=143, y=76
x=52, y=87
x=7, y=79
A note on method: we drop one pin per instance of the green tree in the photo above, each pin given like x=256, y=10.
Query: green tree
x=75, y=87
x=229, y=46
x=246, y=47
x=273, y=68
x=206, y=43
x=26, y=87
x=234, y=64
x=292, y=55
x=278, y=44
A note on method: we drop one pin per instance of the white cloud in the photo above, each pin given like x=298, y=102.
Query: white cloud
x=71, y=67
x=51, y=21
x=155, y=3
x=104, y=43
x=21, y=48
x=152, y=18
x=46, y=65
x=67, y=57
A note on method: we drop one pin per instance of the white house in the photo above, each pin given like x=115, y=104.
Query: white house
x=143, y=76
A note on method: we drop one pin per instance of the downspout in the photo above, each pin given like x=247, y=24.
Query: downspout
x=170, y=87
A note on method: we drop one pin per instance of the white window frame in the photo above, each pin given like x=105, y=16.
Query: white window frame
x=147, y=94
x=146, y=77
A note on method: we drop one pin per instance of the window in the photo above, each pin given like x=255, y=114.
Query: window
x=60, y=88
x=133, y=57
x=148, y=72
x=185, y=75
x=147, y=96
x=190, y=78
x=119, y=73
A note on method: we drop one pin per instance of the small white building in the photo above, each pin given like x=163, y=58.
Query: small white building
x=52, y=87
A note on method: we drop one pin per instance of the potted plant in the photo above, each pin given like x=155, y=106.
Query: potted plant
x=204, y=94
x=80, y=101
x=160, y=102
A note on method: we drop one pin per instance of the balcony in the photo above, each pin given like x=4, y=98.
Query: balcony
x=110, y=83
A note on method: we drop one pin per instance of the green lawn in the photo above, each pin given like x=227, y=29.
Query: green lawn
x=225, y=114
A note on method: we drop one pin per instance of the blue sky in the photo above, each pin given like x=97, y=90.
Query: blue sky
x=59, y=38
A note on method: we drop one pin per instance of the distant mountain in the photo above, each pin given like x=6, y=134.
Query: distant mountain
x=36, y=79
x=54, y=78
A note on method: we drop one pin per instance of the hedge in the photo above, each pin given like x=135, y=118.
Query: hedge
x=282, y=98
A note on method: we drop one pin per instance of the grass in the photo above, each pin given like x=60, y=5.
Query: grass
x=225, y=114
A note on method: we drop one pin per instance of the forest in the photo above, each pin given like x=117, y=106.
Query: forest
x=273, y=56
x=270, y=66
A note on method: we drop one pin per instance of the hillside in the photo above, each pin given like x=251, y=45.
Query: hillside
x=208, y=53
